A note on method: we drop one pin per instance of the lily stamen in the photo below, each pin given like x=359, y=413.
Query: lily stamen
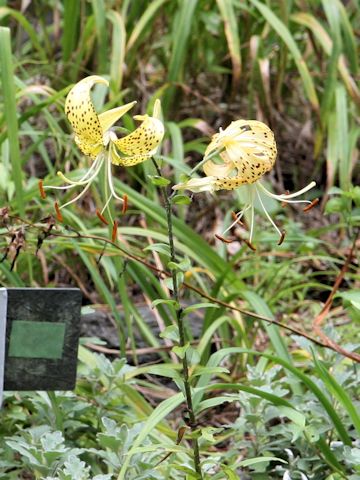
x=81, y=194
x=238, y=220
x=312, y=205
x=252, y=217
x=223, y=239
x=114, y=231
x=249, y=244
x=106, y=204
x=285, y=197
x=58, y=213
x=267, y=214
x=109, y=178
x=41, y=189
x=282, y=238
x=101, y=217
x=125, y=204
x=83, y=179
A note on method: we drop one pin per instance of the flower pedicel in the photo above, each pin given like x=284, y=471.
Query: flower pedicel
x=247, y=150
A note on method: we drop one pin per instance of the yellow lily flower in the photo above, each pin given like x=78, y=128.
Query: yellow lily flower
x=94, y=137
x=247, y=150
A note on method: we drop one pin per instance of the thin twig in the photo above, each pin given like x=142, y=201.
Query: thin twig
x=319, y=319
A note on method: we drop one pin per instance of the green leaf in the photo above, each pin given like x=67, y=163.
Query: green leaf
x=165, y=301
x=197, y=306
x=169, y=281
x=231, y=475
x=253, y=461
x=295, y=416
x=159, y=247
x=183, y=266
x=193, y=356
x=171, y=333
x=352, y=296
x=181, y=351
x=181, y=200
x=200, y=370
x=159, y=181
x=334, y=205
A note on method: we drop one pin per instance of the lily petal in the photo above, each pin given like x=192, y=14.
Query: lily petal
x=108, y=118
x=142, y=143
x=218, y=170
x=83, y=117
x=126, y=161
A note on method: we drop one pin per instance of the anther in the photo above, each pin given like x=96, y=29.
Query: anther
x=284, y=204
x=125, y=204
x=41, y=189
x=250, y=245
x=114, y=231
x=223, y=239
x=101, y=217
x=312, y=205
x=236, y=218
x=58, y=212
x=282, y=237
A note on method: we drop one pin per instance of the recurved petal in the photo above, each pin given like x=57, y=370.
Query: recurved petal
x=213, y=145
x=81, y=112
x=144, y=140
x=217, y=170
x=126, y=161
x=107, y=119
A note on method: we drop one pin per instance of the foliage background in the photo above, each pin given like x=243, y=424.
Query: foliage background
x=294, y=65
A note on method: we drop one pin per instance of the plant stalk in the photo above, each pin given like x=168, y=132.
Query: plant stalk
x=181, y=327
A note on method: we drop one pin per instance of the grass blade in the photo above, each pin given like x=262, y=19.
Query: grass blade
x=143, y=22
x=160, y=412
x=69, y=38
x=33, y=36
x=342, y=125
x=103, y=290
x=288, y=39
x=180, y=38
x=338, y=391
x=227, y=11
x=7, y=80
x=117, y=51
x=99, y=10
x=326, y=43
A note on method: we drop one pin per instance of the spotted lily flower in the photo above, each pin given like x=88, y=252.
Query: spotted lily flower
x=247, y=150
x=95, y=138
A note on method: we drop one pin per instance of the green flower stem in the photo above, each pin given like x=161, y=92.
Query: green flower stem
x=181, y=327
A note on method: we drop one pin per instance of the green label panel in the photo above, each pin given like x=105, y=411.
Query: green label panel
x=37, y=339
